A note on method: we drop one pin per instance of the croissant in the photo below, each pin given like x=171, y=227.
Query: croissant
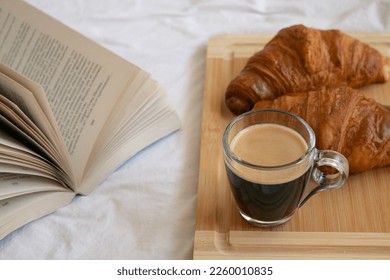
x=344, y=120
x=301, y=59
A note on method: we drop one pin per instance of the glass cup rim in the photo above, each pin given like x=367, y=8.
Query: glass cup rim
x=230, y=154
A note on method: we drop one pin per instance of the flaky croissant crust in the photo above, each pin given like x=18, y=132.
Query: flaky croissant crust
x=301, y=59
x=344, y=120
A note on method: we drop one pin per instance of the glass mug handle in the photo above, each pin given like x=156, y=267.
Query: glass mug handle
x=326, y=181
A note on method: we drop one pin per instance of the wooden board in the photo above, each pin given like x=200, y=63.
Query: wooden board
x=349, y=223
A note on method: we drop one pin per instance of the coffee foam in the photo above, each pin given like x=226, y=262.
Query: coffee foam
x=274, y=147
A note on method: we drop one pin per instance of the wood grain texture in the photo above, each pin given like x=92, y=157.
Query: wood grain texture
x=349, y=223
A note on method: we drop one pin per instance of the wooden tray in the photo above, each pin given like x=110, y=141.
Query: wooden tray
x=349, y=223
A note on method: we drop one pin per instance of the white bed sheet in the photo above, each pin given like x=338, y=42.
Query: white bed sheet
x=146, y=209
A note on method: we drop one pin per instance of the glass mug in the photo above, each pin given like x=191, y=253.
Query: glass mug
x=270, y=156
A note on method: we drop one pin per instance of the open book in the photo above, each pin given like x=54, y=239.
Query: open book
x=70, y=113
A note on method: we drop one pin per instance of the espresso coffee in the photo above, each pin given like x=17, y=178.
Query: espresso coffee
x=269, y=196
x=270, y=156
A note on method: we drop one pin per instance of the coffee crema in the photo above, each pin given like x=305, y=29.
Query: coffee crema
x=268, y=145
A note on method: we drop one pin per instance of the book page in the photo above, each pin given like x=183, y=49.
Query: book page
x=31, y=99
x=21, y=122
x=82, y=80
x=16, y=158
x=17, y=211
x=133, y=129
x=13, y=185
x=20, y=131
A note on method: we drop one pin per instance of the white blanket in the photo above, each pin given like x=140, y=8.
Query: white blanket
x=146, y=209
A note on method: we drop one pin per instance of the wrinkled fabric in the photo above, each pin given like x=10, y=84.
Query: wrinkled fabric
x=146, y=208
